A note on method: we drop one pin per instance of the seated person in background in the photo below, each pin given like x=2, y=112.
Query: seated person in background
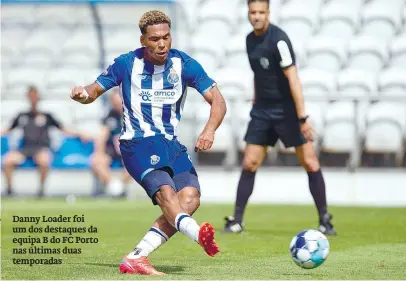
x=36, y=141
x=107, y=149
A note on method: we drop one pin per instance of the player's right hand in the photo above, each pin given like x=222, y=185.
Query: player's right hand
x=204, y=141
x=79, y=94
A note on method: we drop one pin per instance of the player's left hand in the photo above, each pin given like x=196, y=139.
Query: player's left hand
x=307, y=130
x=204, y=141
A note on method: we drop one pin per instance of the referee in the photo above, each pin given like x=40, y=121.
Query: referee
x=278, y=113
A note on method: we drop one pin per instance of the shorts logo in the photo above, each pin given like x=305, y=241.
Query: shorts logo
x=264, y=62
x=155, y=159
x=173, y=77
x=145, y=96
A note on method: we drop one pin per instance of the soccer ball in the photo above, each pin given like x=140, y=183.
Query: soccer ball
x=309, y=248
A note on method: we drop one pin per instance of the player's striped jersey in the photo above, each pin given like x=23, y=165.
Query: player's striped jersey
x=153, y=96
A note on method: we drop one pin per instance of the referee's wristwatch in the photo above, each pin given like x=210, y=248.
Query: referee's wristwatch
x=303, y=119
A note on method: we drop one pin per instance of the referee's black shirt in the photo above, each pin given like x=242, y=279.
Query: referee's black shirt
x=268, y=55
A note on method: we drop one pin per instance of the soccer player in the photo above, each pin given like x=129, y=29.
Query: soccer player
x=35, y=142
x=107, y=147
x=278, y=113
x=153, y=81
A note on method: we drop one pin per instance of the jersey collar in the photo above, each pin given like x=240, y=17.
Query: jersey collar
x=150, y=68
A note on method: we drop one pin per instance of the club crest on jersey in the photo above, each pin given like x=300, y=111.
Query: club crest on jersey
x=155, y=159
x=173, y=77
x=264, y=62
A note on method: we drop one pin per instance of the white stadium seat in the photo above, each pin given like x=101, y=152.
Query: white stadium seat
x=340, y=18
x=392, y=83
x=398, y=52
x=236, y=54
x=10, y=109
x=325, y=53
x=299, y=18
x=42, y=47
x=317, y=83
x=354, y=83
x=59, y=82
x=18, y=80
x=80, y=50
x=367, y=53
x=340, y=130
x=224, y=135
x=386, y=122
x=235, y=83
x=18, y=15
x=382, y=19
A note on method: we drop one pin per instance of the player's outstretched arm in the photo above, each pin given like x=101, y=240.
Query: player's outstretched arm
x=217, y=112
x=87, y=94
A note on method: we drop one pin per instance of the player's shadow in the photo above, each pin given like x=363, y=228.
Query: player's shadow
x=170, y=269
x=102, y=264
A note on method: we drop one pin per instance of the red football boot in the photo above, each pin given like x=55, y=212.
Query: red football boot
x=138, y=266
x=206, y=239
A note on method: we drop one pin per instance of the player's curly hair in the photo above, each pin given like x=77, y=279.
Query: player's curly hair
x=152, y=18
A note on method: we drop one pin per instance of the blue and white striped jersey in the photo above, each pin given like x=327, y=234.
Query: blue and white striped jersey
x=153, y=96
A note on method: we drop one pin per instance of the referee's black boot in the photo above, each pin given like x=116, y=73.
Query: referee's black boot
x=232, y=226
x=326, y=227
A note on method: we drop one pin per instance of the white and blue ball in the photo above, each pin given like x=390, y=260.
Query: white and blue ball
x=309, y=248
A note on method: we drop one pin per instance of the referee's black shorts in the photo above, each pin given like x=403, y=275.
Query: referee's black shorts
x=267, y=125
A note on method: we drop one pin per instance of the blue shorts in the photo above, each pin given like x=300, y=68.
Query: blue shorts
x=142, y=156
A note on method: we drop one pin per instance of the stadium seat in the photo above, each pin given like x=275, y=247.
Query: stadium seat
x=81, y=50
x=325, y=53
x=317, y=84
x=235, y=84
x=11, y=45
x=224, y=141
x=359, y=84
x=125, y=14
x=64, y=16
x=211, y=12
x=340, y=128
x=19, y=79
x=22, y=15
x=59, y=82
x=386, y=123
x=208, y=55
x=119, y=41
x=340, y=18
x=10, y=109
x=42, y=47
x=299, y=18
x=392, y=83
x=382, y=19
x=398, y=52
x=367, y=53
x=236, y=53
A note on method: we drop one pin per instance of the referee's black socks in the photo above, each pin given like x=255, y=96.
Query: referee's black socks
x=244, y=191
x=318, y=191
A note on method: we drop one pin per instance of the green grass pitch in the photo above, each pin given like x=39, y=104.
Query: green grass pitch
x=371, y=242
